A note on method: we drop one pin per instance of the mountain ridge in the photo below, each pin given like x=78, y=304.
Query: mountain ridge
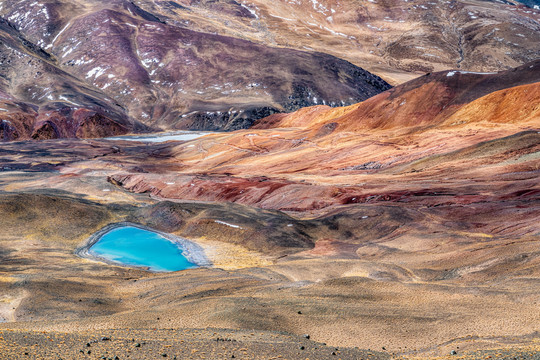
x=427, y=117
x=178, y=65
x=173, y=77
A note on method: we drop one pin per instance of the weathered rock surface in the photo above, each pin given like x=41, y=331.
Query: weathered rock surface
x=395, y=39
x=125, y=63
x=211, y=65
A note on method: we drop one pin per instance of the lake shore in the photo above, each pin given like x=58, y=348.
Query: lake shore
x=193, y=252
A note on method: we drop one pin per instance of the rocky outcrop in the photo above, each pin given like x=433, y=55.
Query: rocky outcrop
x=64, y=122
x=45, y=130
x=92, y=125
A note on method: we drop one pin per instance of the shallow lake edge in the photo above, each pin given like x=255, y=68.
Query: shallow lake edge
x=190, y=250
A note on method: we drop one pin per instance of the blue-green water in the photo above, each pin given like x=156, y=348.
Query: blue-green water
x=133, y=246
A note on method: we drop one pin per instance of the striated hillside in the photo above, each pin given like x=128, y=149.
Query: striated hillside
x=221, y=65
x=395, y=39
x=162, y=75
x=332, y=209
x=312, y=159
x=411, y=217
x=424, y=102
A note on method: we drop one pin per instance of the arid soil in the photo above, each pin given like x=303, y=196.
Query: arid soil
x=406, y=224
x=172, y=344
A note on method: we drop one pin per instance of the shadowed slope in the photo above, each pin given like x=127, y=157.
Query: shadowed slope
x=170, y=76
x=423, y=102
x=395, y=39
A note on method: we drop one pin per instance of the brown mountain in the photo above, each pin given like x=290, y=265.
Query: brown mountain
x=411, y=128
x=220, y=65
x=160, y=74
x=40, y=101
x=395, y=39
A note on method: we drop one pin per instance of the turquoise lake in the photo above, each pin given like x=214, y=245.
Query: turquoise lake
x=130, y=245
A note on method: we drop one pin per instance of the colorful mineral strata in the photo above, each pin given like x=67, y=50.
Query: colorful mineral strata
x=255, y=179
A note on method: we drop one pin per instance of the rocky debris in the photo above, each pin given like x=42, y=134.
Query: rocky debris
x=180, y=343
x=370, y=165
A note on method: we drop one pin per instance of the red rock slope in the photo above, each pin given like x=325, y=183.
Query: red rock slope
x=421, y=135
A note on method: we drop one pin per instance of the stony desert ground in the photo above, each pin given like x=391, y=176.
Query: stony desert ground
x=405, y=240
x=367, y=186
